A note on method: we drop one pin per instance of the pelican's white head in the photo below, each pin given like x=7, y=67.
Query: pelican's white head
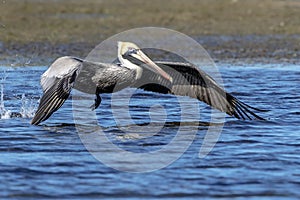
x=131, y=49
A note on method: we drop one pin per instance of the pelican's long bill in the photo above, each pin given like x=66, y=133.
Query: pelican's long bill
x=149, y=64
x=130, y=49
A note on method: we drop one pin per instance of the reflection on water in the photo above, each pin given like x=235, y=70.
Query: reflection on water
x=258, y=159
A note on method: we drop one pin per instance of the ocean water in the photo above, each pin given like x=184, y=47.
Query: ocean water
x=251, y=159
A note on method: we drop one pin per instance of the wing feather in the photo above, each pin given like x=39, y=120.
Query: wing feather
x=189, y=80
x=56, y=87
x=59, y=69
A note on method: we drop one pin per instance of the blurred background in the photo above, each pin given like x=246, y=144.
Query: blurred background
x=227, y=29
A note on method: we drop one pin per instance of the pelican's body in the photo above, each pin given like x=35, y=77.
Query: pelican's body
x=133, y=69
x=91, y=77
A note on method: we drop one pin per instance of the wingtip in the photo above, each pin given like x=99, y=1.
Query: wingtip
x=244, y=111
x=35, y=121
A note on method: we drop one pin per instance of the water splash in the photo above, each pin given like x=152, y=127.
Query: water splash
x=28, y=107
x=4, y=113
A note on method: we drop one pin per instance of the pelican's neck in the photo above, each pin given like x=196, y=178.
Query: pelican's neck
x=130, y=65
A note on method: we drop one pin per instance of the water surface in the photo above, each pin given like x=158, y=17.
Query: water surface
x=258, y=159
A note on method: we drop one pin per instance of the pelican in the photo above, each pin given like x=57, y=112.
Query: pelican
x=133, y=69
x=91, y=77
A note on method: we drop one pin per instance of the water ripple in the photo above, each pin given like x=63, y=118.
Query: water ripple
x=252, y=159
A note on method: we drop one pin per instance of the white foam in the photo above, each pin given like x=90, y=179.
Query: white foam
x=28, y=107
x=4, y=113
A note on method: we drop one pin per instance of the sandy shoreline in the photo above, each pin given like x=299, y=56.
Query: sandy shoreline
x=250, y=48
x=230, y=29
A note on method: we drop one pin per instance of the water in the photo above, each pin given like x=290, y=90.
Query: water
x=252, y=159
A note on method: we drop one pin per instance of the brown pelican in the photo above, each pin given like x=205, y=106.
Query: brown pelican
x=91, y=77
x=134, y=69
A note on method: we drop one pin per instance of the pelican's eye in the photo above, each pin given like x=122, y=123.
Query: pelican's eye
x=131, y=51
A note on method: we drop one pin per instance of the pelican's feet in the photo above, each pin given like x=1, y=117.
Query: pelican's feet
x=97, y=102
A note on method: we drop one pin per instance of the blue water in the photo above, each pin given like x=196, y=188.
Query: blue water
x=252, y=159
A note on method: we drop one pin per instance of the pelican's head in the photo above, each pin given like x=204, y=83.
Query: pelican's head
x=128, y=49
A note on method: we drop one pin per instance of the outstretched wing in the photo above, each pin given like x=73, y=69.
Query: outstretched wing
x=57, y=83
x=189, y=80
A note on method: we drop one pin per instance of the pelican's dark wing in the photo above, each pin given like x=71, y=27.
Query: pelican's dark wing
x=189, y=80
x=57, y=83
x=91, y=77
